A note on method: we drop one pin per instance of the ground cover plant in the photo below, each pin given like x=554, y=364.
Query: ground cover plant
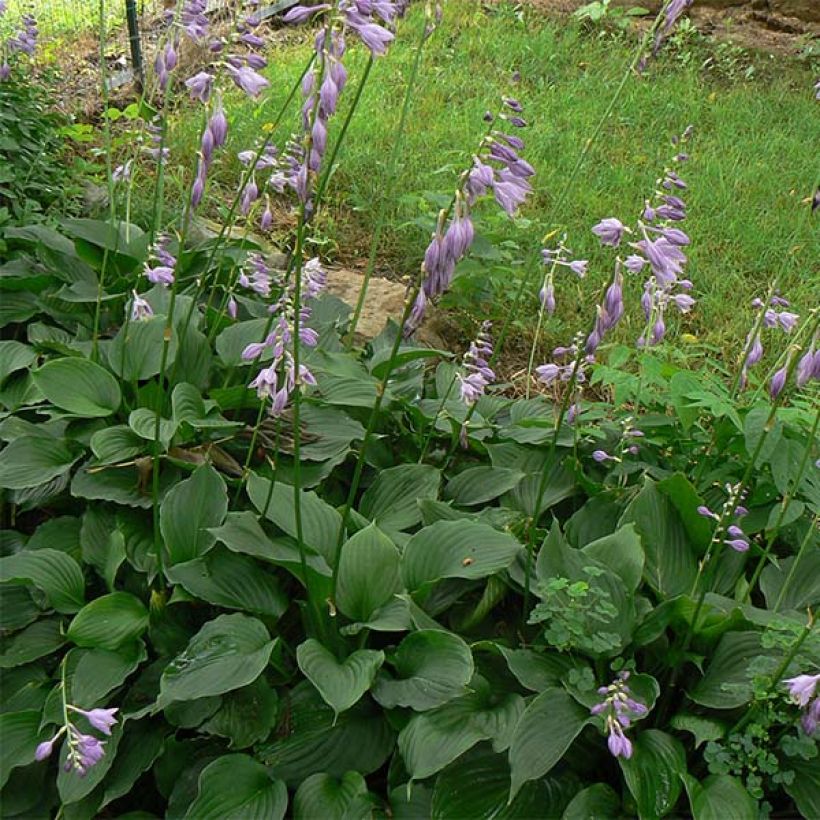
x=253, y=568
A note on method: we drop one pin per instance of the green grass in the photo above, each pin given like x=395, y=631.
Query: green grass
x=62, y=17
x=753, y=159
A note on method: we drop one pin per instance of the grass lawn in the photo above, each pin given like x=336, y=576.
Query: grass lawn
x=754, y=158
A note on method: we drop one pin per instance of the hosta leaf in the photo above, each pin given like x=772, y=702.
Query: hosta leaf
x=233, y=581
x=135, y=353
x=235, y=338
x=309, y=741
x=805, y=788
x=543, y=734
x=109, y=621
x=654, y=772
x=236, y=787
x=477, y=785
x=670, y=566
x=93, y=673
x=188, y=510
x=320, y=522
x=58, y=575
x=720, y=797
x=79, y=386
x=456, y=549
x=727, y=683
x=33, y=460
x=392, y=500
x=536, y=671
x=431, y=667
x=622, y=552
x=139, y=747
x=803, y=581
x=322, y=795
x=14, y=356
x=21, y=734
x=478, y=485
x=143, y=422
x=40, y=638
x=434, y=739
x=118, y=443
x=341, y=685
x=596, y=801
x=245, y=716
x=227, y=653
x=368, y=573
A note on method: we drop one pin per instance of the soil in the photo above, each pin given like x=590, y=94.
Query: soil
x=782, y=27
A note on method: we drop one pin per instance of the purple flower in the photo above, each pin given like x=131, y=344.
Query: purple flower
x=477, y=373
x=248, y=80
x=738, y=544
x=200, y=86
x=811, y=717
x=101, y=719
x=609, y=231
x=620, y=709
x=548, y=373
x=44, y=749
x=802, y=688
x=601, y=455
x=218, y=124
x=547, y=296
x=618, y=743
x=634, y=263
x=707, y=513
x=140, y=309
x=298, y=14
x=735, y=531
x=778, y=382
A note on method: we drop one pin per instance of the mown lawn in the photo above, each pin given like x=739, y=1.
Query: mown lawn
x=754, y=158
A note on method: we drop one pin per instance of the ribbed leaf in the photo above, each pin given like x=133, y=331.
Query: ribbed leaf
x=543, y=734
x=52, y=571
x=654, y=773
x=33, y=460
x=720, y=797
x=109, y=621
x=392, y=500
x=477, y=485
x=341, y=685
x=229, y=652
x=236, y=787
x=432, y=667
x=79, y=386
x=456, y=549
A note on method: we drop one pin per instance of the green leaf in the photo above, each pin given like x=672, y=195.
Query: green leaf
x=720, y=797
x=803, y=581
x=670, y=567
x=727, y=684
x=118, y=443
x=141, y=744
x=40, y=638
x=756, y=427
x=434, y=739
x=143, y=422
x=233, y=581
x=544, y=733
x=79, y=386
x=685, y=499
x=21, y=735
x=805, y=788
x=33, y=460
x=227, y=653
x=702, y=728
x=391, y=501
x=188, y=510
x=323, y=796
x=478, y=485
x=58, y=575
x=14, y=356
x=245, y=716
x=477, y=785
x=368, y=574
x=235, y=338
x=236, y=787
x=94, y=673
x=309, y=741
x=536, y=671
x=456, y=549
x=432, y=667
x=341, y=685
x=320, y=522
x=622, y=552
x=381, y=358
x=596, y=801
x=109, y=621
x=654, y=772
x=135, y=353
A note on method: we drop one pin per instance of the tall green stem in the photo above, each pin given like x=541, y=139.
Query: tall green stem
x=793, y=568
